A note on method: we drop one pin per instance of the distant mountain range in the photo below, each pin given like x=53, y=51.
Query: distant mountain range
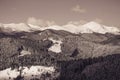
x=89, y=27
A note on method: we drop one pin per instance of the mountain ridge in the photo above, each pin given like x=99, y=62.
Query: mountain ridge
x=89, y=27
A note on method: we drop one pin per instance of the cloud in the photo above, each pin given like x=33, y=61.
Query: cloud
x=40, y=22
x=81, y=22
x=78, y=9
x=98, y=20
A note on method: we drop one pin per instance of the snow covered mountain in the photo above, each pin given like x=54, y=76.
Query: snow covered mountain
x=14, y=27
x=90, y=27
x=98, y=28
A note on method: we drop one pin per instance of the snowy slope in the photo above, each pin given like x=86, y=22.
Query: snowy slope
x=69, y=28
x=89, y=27
x=34, y=27
x=15, y=27
x=72, y=28
x=56, y=47
x=98, y=28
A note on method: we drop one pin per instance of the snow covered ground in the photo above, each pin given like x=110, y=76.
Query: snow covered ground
x=23, y=52
x=36, y=71
x=8, y=74
x=27, y=73
x=56, y=47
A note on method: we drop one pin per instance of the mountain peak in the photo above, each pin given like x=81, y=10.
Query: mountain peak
x=92, y=26
x=93, y=23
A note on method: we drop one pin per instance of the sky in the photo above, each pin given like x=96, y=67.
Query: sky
x=61, y=11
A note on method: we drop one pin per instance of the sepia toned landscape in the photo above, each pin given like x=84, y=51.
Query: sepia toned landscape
x=59, y=40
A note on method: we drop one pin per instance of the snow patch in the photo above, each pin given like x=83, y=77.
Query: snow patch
x=36, y=71
x=56, y=47
x=8, y=74
x=27, y=73
x=23, y=52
